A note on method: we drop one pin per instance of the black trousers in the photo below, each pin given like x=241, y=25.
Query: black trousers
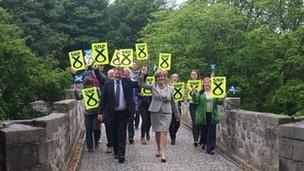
x=174, y=126
x=131, y=127
x=92, y=126
x=119, y=125
x=195, y=128
x=146, y=119
x=136, y=119
x=209, y=133
x=109, y=132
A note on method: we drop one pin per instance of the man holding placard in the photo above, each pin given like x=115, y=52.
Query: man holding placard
x=118, y=106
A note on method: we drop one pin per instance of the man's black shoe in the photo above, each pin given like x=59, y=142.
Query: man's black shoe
x=172, y=142
x=121, y=160
x=131, y=141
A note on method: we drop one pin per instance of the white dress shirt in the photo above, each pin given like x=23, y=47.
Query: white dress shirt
x=122, y=101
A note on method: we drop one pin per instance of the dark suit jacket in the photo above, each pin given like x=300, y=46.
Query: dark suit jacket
x=108, y=97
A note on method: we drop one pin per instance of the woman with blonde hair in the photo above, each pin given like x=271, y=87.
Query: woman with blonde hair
x=161, y=108
x=206, y=114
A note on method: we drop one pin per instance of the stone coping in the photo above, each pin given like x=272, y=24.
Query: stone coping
x=292, y=131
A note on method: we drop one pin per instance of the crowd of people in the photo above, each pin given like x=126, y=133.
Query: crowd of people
x=122, y=103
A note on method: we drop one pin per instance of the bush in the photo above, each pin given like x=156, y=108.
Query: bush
x=24, y=78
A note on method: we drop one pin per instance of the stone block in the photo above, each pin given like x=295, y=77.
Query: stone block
x=231, y=103
x=292, y=130
x=19, y=134
x=300, y=166
x=19, y=157
x=298, y=151
x=286, y=148
x=65, y=105
x=271, y=139
x=50, y=123
x=46, y=151
x=266, y=167
x=271, y=119
x=287, y=165
x=44, y=167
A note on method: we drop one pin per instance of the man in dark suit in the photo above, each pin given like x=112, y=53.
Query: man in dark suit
x=117, y=106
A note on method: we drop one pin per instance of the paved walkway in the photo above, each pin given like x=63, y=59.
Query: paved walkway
x=181, y=157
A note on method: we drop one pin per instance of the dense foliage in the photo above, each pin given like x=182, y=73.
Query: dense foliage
x=257, y=45
x=36, y=37
x=23, y=76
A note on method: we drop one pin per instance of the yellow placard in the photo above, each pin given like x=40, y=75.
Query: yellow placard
x=100, y=53
x=218, y=87
x=77, y=60
x=197, y=84
x=147, y=92
x=179, y=91
x=141, y=51
x=126, y=57
x=164, y=61
x=90, y=98
x=116, y=59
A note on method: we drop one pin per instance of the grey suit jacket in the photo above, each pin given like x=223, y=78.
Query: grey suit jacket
x=161, y=101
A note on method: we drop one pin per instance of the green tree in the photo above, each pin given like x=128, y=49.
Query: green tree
x=196, y=35
x=23, y=75
x=258, y=53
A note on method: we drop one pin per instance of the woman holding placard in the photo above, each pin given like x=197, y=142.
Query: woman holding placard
x=161, y=109
x=206, y=114
x=144, y=104
x=175, y=123
x=194, y=76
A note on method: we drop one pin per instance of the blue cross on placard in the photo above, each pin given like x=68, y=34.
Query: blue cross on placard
x=88, y=52
x=212, y=66
x=78, y=79
x=232, y=90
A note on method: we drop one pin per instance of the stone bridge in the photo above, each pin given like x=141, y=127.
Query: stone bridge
x=246, y=140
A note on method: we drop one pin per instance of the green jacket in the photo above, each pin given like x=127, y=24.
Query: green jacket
x=200, y=115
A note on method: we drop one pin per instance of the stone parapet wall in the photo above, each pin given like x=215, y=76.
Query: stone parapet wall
x=291, y=146
x=44, y=143
x=250, y=138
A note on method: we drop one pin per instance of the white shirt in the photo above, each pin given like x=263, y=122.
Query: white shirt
x=209, y=102
x=122, y=101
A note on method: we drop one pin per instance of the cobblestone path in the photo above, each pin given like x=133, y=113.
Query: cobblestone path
x=180, y=157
